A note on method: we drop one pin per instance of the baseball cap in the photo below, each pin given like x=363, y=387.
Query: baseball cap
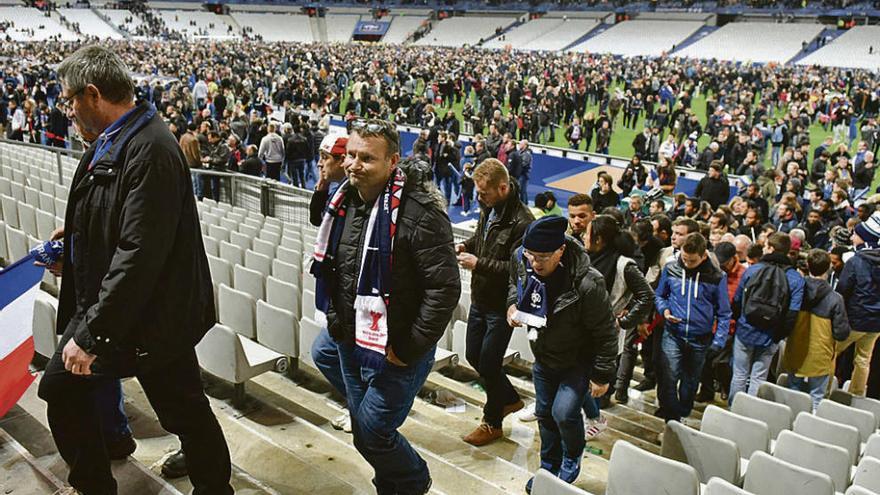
x=334, y=145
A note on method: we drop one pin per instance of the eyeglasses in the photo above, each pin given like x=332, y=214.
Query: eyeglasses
x=540, y=258
x=65, y=101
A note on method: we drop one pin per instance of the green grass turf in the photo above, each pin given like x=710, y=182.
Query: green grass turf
x=622, y=137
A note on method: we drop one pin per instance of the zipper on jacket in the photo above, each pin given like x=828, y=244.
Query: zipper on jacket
x=687, y=324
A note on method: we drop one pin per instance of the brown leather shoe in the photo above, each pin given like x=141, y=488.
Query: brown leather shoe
x=483, y=435
x=512, y=408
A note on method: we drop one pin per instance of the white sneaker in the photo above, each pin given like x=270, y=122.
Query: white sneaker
x=595, y=427
x=527, y=415
x=342, y=422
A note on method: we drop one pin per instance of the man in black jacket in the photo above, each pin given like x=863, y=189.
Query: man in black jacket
x=503, y=220
x=136, y=295
x=423, y=288
x=714, y=187
x=562, y=302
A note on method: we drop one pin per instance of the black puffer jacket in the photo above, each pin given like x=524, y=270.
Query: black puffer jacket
x=490, y=278
x=581, y=327
x=425, y=283
x=136, y=284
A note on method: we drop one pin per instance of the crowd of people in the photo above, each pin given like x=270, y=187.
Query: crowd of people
x=704, y=287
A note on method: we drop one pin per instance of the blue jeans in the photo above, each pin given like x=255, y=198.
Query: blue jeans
x=813, y=385
x=559, y=396
x=488, y=336
x=591, y=407
x=682, y=362
x=524, y=189
x=750, y=367
x=297, y=172
x=325, y=354
x=198, y=188
x=379, y=401
x=114, y=422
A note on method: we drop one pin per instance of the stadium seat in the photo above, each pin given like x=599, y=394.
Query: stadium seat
x=717, y=486
x=45, y=224
x=863, y=420
x=211, y=219
x=240, y=240
x=858, y=490
x=232, y=357
x=258, y=262
x=796, y=400
x=229, y=224
x=768, y=475
x=818, y=456
x=249, y=281
x=221, y=271
x=308, y=280
x=633, y=470
x=288, y=255
x=308, y=304
x=710, y=455
x=237, y=311
x=4, y=246
x=10, y=211
x=268, y=235
x=777, y=416
x=233, y=254
x=31, y=196
x=867, y=474
x=547, y=484
x=17, y=243
x=47, y=203
x=867, y=404
x=308, y=332
x=286, y=272
x=265, y=248
x=219, y=233
x=291, y=243
x=872, y=446
x=249, y=230
x=284, y=295
x=830, y=432
x=212, y=247
x=277, y=329
x=749, y=435
x=45, y=338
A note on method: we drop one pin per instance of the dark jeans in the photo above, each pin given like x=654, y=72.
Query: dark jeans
x=297, y=172
x=273, y=170
x=682, y=366
x=216, y=186
x=379, y=401
x=174, y=390
x=524, y=188
x=487, y=339
x=559, y=396
x=114, y=422
x=717, y=368
x=627, y=359
x=325, y=354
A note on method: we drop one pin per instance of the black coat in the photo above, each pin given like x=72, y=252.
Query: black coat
x=425, y=282
x=135, y=285
x=580, y=327
x=715, y=191
x=504, y=235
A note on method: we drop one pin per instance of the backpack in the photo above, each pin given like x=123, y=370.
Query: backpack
x=766, y=299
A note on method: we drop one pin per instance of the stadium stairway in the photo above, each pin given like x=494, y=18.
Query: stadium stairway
x=830, y=33
x=518, y=23
x=109, y=22
x=599, y=29
x=700, y=34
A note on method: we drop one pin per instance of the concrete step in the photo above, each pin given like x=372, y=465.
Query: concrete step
x=21, y=473
x=269, y=466
x=448, y=477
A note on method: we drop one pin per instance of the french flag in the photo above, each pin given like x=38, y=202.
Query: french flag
x=19, y=284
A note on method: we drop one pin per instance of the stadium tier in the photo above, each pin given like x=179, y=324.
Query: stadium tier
x=276, y=26
x=91, y=23
x=461, y=31
x=402, y=28
x=639, y=38
x=755, y=42
x=856, y=48
x=29, y=24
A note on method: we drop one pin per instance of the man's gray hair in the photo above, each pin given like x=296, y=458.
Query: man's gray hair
x=100, y=67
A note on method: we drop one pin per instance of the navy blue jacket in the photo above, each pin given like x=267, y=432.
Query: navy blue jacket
x=860, y=287
x=763, y=337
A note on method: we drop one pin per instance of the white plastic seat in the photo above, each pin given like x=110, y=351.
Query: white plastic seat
x=267, y=234
x=277, y=329
x=258, y=262
x=633, y=470
x=288, y=255
x=60, y=206
x=211, y=218
x=233, y=254
x=308, y=304
x=221, y=271
x=308, y=280
x=250, y=281
x=867, y=474
x=292, y=243
x=283, y=295
x=858, y=490
x=796, y=400
x=872, y=446
x=249, y=230
x=212, y=247
x=286, y=272
x=10, y=210
x=240, y=240
x=232, y=357
x=830, y=432
x=265, y=248
x=45, y=224
x=776, y=416
x=863, y=420
x=17, y=243
x=229, y=224
x=867, y=404
x=219, y=233
x=818, y=456
x=749, y=435
x=443, y=359
x=711, y=456
x=768, y=475
x=32, y=196
x=547, y=484
x=4, y=246
x=308, y=332
x=237, y=311
x=47, y=203
x=45, y=338
x=717, y=486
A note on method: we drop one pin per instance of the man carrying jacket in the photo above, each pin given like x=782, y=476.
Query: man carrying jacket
x=754, y=347
x=859, y=282
x=564, y=306
x=136, y=295
x=692, y=298
x=386, y=272
x=503, y=220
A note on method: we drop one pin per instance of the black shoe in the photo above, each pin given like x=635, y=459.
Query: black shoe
x=647, y=384
x=121, y=447
x=175, y=466
x=706, y=395
x=621, y=396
